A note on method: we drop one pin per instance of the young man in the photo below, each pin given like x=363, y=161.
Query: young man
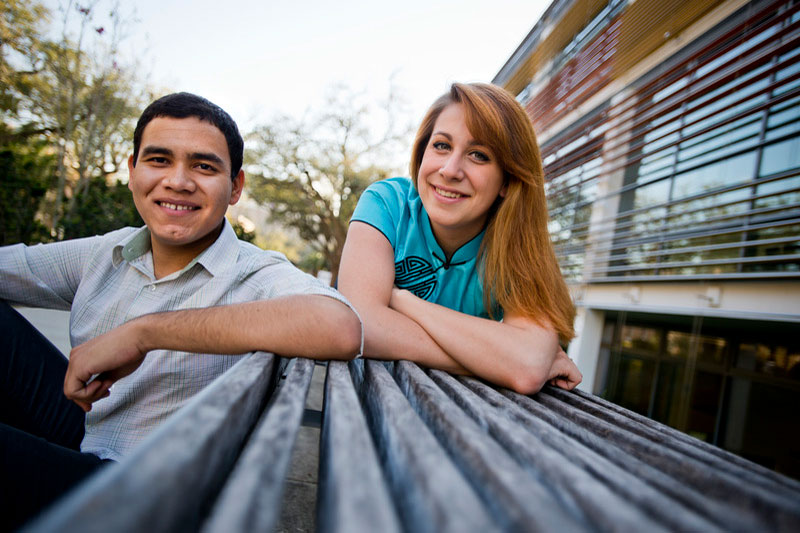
x=184, y=172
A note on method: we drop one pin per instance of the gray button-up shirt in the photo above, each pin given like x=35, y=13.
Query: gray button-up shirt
x=108, y=280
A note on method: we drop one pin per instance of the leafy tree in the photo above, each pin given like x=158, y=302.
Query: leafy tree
x=25, y=173
x=242, y=233
x=76, y=96
x=310, y=172
x=101, y=208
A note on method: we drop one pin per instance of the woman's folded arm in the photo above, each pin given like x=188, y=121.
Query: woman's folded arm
x=516, y=353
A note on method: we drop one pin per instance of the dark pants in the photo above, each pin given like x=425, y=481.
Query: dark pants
x=40, y=429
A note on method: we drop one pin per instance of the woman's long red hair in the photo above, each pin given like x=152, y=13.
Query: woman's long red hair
x=520, y=271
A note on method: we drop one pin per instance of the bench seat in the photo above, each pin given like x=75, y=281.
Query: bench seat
x=408, y=449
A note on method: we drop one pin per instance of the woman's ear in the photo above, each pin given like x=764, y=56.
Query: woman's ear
x=504, y=189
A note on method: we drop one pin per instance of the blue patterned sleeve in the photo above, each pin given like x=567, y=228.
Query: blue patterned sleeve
x=380, y=206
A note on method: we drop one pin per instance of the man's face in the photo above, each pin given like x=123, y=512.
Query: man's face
x=182, y=183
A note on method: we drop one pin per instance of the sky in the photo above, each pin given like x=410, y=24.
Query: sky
x=258, y=58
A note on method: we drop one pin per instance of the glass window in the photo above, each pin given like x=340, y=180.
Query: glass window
x=780, y=156
x=717, y=153
x=634, y=384
x=711, y=350
x=648, y=222
x=642, y=254
x=666, y=406
x=656, y=165
x=782, y=131
x=738, y=50
x=704, y=405
x=773, y=360
x=761, y=424
x=652, y=194
x=779, y=192
x=787, y=72
x=721, y=174
x=739, y=129
x=642, y=339
x=718, y=206
x=789, y=245
x=726, y=107
x=671, y=89
x=786, y=113
x=678, y=344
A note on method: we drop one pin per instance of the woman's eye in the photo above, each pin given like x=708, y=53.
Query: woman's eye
x=441, y=145
x=480, y=156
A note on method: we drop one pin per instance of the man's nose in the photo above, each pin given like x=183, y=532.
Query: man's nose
x=179, y=178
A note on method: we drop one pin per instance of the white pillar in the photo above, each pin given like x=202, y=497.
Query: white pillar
x=585, y=347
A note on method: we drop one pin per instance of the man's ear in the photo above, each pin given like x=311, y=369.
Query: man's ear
x=130, y=170
x=238, y=187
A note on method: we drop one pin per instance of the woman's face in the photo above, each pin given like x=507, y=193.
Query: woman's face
x=458, y=181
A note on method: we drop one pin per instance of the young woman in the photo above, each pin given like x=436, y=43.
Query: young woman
x=454, y=268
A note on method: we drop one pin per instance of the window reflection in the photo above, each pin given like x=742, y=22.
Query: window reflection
x=729, y=382
x=780, y=156
x=728, y=172
x=770, y=359
x=642, y=339
x=713, y=149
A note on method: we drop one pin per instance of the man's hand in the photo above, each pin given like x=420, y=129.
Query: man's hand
x=109, y=357
x=564, y=373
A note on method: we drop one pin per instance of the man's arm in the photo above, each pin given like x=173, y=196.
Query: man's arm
x=311, y=326
x=44, y=275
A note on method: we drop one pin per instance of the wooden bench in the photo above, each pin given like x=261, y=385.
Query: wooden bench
x=403, y=448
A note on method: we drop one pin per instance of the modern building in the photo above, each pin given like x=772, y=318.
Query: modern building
x=670, y=134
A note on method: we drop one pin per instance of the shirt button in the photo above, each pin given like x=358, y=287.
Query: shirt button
x=152, y=288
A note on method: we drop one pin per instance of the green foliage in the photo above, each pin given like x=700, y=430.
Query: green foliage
x=100, y=209
x=311, y=172
x=75, y=100
x=24, y=175
x=243, y=234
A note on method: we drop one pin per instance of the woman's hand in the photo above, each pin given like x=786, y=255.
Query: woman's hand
x=517, y=353
x=564, y=373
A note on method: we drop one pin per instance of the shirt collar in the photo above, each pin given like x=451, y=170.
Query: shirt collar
x=215, y=259
x=222, y=254
x=134, y=245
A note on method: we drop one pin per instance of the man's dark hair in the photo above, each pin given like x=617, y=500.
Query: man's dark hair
x=184, y=105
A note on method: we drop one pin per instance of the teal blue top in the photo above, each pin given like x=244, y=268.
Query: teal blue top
x=394, y=208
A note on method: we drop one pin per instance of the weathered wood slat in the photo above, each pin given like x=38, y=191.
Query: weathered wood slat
x=251, y=497
x=619, y=481
x=775, y=508
x=605, y=439
x=428, y=489
x=352, y=493
x=672, y=437
x=517, y=500
x=569, y=480
x=169, y=482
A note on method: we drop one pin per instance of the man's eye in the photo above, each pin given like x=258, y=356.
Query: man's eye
x=206, y=167
x=157, y=160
